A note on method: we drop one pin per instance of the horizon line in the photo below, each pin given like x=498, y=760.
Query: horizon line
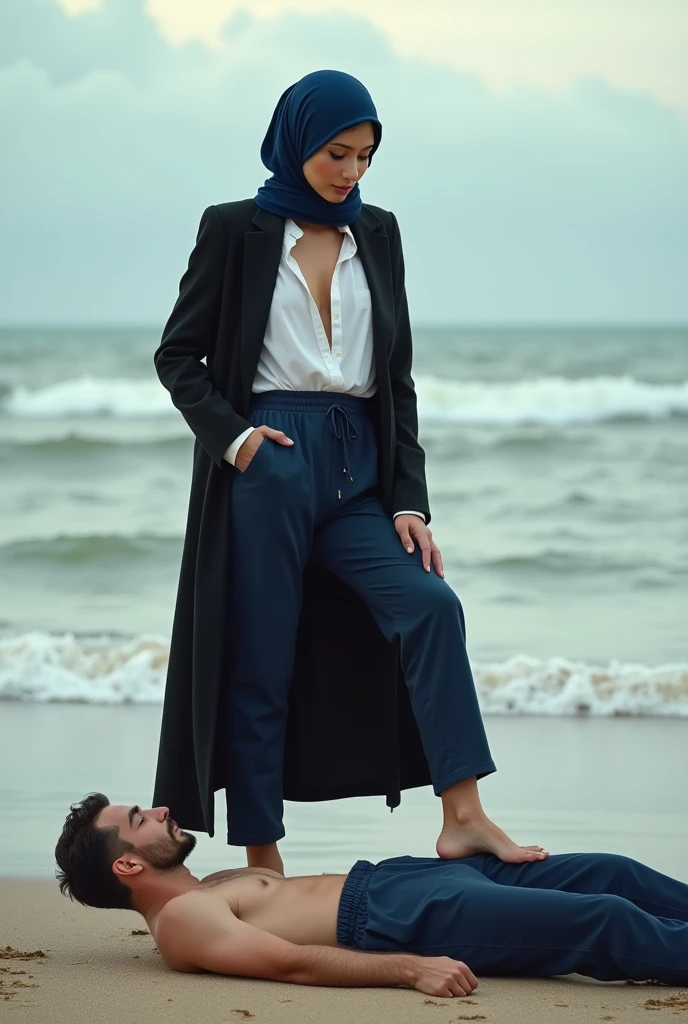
x=485, y=325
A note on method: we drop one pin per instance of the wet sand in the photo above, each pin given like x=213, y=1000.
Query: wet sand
x=615, y=785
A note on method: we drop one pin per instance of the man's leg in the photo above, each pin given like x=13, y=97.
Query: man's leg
x=440, y=908
x=595, y=873
x=360, y=545
x=271, y=536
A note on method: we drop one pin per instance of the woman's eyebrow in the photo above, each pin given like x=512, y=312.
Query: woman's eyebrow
x=344, y=145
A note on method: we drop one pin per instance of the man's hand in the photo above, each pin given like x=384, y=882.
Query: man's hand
x=412, y=528
x=442, y=976
x=253, y=443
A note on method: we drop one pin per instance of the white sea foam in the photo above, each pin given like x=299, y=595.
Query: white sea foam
x=119, y=398
x=547, y=401
x=42, y=667
x=556, y=686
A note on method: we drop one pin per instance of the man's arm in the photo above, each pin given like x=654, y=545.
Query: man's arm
x=203, y=934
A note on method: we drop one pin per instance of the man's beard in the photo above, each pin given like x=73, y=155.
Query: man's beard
x=166, y=854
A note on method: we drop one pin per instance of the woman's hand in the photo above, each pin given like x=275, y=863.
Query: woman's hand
x=412, y=528
x=253, y=443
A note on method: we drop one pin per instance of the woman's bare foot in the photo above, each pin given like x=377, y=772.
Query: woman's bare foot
x=266, y=856
x=467, y=830
x=477, y=834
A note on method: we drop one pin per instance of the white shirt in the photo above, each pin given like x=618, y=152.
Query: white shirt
x=296, y=354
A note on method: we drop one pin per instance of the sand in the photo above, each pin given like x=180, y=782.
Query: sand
x=83, y=965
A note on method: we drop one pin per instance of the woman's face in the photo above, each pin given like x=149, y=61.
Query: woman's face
x=334, y=169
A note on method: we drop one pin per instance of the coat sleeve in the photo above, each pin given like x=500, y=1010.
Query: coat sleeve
x=189, y=336
x=410, y=488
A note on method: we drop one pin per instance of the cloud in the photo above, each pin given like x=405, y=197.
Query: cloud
x=629, y=43
x=117, y=36
x=520, y=206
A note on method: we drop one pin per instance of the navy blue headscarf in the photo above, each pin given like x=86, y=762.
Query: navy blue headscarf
x=308, y=115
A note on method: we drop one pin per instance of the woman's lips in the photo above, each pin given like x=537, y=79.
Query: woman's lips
x=343, y=189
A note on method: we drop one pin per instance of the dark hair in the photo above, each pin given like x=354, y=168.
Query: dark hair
x=85, y=853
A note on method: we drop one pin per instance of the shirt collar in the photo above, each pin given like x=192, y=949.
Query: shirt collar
x=292, y=233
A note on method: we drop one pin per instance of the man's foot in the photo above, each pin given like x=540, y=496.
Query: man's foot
x=480, y=835
x=267, y=856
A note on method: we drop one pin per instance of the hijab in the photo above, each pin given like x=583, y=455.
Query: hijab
x=309, y=114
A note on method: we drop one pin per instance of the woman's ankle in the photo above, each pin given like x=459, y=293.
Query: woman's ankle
x=265, y=856
x=461, y=803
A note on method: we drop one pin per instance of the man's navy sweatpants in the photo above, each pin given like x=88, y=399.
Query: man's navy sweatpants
x=601, y=915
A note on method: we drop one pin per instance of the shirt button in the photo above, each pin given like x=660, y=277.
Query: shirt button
x=338, y=354
x=336, y=316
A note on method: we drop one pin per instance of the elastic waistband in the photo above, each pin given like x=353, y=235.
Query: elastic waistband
x=311, y=401
x=352, y=916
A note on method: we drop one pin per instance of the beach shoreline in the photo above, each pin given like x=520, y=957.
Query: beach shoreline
x=570, y=784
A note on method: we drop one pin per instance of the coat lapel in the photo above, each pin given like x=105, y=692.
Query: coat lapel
x=373, y=248
x=262, y=251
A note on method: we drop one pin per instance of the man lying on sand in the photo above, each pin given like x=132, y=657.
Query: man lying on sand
x=425, y=923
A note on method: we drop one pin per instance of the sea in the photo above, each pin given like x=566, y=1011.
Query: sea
x=558, y=475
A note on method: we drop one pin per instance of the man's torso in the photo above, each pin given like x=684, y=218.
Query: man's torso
x=301, y=910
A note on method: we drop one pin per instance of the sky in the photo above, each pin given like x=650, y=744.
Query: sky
x=535, y=154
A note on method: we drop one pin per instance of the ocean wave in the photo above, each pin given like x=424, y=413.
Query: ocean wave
x=573, y=557
x=557, y=686
x=560, y=562
x=548, y=401
x=41, y=667
x=118, y=398
x=72, y=443
x=545, y=401
x=141, y=552
x=81, y=549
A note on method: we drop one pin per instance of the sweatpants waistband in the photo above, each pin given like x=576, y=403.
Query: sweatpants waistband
x=352, y=916
x=312, y=401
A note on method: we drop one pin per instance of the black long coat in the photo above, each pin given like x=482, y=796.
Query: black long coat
x=350, y=731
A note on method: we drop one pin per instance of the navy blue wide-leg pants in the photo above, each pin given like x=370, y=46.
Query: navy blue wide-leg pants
x=601, y=915
x=297, y=503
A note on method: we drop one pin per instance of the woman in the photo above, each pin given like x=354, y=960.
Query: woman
x=316, y=650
